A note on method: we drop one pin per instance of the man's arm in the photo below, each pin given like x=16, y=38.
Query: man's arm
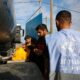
x=53, y=47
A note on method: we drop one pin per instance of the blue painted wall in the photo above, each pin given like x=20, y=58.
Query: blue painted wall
x=32, y=24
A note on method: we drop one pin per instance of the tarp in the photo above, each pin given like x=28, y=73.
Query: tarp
x=32, y=24
x=20, y=71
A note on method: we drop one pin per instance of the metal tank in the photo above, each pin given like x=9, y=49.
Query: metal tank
x=7, y=25
x=7, y=20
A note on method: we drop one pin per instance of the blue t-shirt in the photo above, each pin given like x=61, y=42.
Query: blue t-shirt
x=64, y=51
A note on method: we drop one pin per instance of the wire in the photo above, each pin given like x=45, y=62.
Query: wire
x=27, y=2
x=46, y=4
x=62, y=7
x=49, y=4
x=20, y=19
x=34, y=13
x=67, y=8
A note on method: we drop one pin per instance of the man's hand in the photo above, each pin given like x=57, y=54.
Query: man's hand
x=38, y=51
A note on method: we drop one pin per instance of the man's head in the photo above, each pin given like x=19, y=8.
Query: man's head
x=63, y=20
x=28, y=40
x=42, y=30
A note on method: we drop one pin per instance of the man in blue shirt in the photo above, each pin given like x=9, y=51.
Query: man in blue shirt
x=64, y=49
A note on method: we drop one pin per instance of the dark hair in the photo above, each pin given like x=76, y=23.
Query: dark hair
x=27, y=37
x=63, y=16
x=33, y=40
x=42, y=27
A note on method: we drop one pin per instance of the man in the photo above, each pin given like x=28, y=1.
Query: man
x=42, y=32
x=64, y=49
x=41, y=51
x=28, y=40
x=30, y=45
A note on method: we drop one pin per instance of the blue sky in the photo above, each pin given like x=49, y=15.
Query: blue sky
x=24, y=10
